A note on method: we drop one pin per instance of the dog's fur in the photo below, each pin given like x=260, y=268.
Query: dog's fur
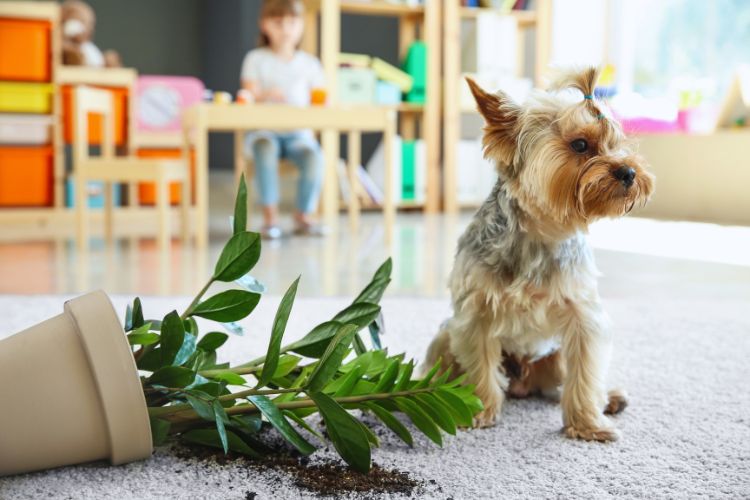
x=523, y=286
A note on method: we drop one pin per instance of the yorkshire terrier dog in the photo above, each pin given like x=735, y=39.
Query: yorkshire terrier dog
x=527, y=317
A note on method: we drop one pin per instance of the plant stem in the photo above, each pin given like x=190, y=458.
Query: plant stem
x=184, y=413
x=239, y=370
x=196, y=299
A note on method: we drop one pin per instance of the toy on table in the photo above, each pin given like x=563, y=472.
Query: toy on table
x=78, y=22
x=318, y=96
x=221, y=97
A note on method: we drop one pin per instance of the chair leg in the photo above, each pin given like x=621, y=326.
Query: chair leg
x=162, y=201
x=109, y=204
x=185, y=210
x=81, y=204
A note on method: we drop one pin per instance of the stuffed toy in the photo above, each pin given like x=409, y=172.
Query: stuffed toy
x=78, y=21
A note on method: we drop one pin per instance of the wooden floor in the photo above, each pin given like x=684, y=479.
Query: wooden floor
x=660, y=258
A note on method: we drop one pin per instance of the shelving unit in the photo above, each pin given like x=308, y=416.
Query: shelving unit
x=48, y=12
x=538, y=19
x=415, y=22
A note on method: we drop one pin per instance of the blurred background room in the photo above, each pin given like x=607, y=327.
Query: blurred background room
x=390, y=102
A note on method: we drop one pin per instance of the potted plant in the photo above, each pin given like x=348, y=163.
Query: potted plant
x=186, y=394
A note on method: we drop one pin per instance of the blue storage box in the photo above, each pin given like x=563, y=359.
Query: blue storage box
x=95, y=194
x=387, y=94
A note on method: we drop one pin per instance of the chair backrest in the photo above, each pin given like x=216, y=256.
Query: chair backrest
x=92, y=100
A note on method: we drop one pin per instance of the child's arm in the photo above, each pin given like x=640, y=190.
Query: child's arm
x=260, y=95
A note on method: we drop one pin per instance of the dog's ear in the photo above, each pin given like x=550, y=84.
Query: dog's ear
x=501, y=116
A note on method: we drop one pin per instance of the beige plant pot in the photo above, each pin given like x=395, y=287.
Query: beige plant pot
x=70, y=392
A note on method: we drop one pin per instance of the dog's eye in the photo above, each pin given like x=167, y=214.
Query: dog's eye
x=579, y=145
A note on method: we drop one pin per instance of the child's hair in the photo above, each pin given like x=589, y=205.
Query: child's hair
x=279, y=8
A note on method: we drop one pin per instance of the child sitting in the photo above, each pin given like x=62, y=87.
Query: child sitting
x=277, y=72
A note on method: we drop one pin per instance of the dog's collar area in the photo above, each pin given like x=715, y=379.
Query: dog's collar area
x=589, y=97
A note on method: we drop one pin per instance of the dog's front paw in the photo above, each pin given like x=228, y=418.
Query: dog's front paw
x=601, y=434
x=485, y=418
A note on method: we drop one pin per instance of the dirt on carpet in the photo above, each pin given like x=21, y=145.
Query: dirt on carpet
x=321, y=476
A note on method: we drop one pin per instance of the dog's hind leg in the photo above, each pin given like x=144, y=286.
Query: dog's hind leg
x=440, y=349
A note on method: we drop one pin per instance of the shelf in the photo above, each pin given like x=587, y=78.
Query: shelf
x=30, y=10
x=525, y=18
x=408, y=107
x=114, y=77
x=380, y=8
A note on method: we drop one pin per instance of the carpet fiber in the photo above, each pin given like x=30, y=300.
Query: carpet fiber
x=686, y=433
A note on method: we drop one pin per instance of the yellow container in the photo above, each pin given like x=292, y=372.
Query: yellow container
x=25, y=97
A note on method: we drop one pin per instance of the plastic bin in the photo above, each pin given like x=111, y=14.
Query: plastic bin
x=25, y=52
x=120, y=108
x=147, y=190
x=25, y=97
x=26, y=176
x=32, y=130
x=95, y=194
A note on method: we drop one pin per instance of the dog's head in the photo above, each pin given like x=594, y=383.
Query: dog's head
x=565, y=161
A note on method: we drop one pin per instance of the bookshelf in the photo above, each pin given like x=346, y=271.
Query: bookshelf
x=538, y=20
x=420, y=22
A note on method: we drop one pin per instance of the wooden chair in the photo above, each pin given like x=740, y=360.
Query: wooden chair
x=113, y=169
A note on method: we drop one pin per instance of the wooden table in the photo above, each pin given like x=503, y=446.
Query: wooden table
x=203, y=118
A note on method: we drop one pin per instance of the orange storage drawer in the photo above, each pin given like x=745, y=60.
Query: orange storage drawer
x=120, y=108
x=147, y=190
x=26, y=50
x=25, y=176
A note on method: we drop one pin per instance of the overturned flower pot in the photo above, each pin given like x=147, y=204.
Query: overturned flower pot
x=70, y=392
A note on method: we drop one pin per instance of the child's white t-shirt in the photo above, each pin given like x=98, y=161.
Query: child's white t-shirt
x=295, y=77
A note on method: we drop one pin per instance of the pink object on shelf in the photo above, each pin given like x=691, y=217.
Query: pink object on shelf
x=649, y=126
x=162, y=99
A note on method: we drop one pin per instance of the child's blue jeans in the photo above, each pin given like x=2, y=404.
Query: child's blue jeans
x=302, y=149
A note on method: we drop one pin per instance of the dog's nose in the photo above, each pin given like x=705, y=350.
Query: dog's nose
x=625, y=174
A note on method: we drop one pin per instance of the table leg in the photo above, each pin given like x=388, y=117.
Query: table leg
x=201, y=184
x=389, y=203
x=330, y=140
x=354, y=157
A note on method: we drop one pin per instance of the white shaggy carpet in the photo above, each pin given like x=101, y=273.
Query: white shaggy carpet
x=686, y=433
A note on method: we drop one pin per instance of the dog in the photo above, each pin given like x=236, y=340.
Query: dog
x=527, y=317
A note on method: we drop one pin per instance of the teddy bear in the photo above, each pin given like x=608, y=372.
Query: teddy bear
x=78, y=21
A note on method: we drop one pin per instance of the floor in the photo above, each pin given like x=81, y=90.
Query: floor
x=636, y=256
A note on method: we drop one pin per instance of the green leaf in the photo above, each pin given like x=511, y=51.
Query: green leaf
x=212, y=341
x=277, y=333
x=444, y=377
x=230, y=377
x=197, y=400
x=230, y=305
x=371, y=437
x=250, y=424
x=391, y=422
x=221, y=420
x=461, y=413
x=428, y=377
x=289, y=396
x=128, y=318
x=301, y=422
x=423, y=422
x=346, y=433
x=251, y=284
x=238, y=257
x=172, y=337
x=211, y=437
x=373, y=292
x=331, y=360
x=314, y=344
x=186, y=350
x=359, y=313
x=287, y=363
x=137, y=313
x=388, y=378
x=159, y=430
x=172, y=376
x=141, y=336
x=274, y=415
x=151, y=360
x=348, y=383
x=466, y=393
x=435, y=409
x=240, y=207
x=404, y=377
